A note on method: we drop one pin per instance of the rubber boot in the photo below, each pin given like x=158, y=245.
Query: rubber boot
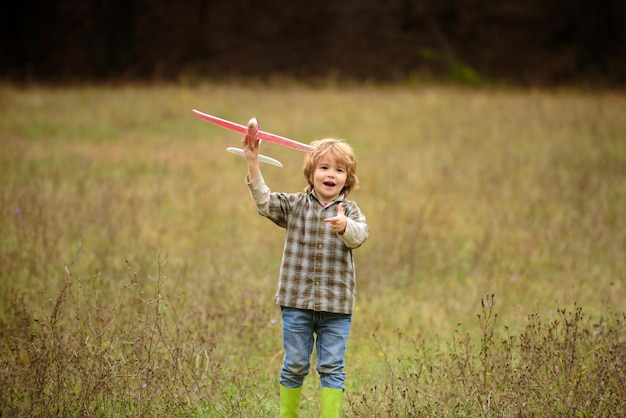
x=331, y=403
x=289, y=401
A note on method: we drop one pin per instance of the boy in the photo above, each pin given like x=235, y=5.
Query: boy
x=316, y=289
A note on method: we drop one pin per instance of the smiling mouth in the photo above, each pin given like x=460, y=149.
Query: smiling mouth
x=329, y=184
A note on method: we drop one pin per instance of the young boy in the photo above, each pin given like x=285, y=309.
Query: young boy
x=317, y=284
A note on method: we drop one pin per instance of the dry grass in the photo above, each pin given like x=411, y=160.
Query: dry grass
x=136, y=278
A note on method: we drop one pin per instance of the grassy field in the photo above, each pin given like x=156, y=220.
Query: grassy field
x=136, y=278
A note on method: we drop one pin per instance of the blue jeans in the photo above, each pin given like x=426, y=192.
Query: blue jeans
x=330, y=333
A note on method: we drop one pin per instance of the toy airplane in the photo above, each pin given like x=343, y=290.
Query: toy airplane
x=252, y=130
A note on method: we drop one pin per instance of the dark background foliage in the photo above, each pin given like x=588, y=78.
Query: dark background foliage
x=538, y=42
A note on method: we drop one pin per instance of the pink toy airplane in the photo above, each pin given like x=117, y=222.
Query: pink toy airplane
x=255, y=134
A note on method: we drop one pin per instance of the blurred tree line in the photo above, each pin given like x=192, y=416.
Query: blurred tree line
x=524, y=42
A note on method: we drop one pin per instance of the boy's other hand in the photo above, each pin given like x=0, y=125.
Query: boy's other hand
x=338, y=223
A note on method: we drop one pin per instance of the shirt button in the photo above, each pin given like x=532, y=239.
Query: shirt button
x=320, y=246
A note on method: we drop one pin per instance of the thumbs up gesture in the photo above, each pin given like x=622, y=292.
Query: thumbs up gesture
x=338, y=223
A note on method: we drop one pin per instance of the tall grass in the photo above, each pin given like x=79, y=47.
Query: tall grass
x=136, y=278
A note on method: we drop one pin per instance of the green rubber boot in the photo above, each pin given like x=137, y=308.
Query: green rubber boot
x=331, y=402
x=289, y=401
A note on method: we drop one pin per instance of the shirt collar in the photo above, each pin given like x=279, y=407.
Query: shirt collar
x=314, y=196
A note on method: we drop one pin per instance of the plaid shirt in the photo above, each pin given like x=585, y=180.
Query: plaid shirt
x=317, y=269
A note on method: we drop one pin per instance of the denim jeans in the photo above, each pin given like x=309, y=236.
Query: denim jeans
x=329, y=331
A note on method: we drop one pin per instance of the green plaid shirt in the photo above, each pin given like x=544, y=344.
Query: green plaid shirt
x=317, y=270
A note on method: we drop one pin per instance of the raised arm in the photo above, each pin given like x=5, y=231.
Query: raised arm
x=251, y=152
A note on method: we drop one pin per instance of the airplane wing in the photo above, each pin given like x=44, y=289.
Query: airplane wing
x=266, y=136
x=285, y=142
x=262, y=158
x=222, y=122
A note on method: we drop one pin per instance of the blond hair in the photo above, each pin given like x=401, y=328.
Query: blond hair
x=343, y=155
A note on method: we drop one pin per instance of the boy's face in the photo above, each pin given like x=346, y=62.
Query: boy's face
x=329, y=179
